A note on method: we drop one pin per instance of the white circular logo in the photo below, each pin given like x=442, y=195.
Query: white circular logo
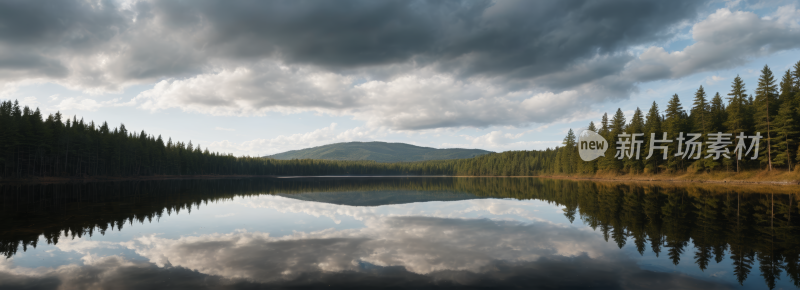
x=591, y=145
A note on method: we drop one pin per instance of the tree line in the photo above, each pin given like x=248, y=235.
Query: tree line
x=34, y=145
x=772, y=110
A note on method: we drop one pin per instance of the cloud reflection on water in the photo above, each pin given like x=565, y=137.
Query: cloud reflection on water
x=403, y=251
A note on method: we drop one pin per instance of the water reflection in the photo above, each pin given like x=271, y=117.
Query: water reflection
x=407, y=245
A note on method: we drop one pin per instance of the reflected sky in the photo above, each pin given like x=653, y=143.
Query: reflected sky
x=433, y=239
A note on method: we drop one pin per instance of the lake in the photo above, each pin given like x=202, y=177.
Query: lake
x=397, y=232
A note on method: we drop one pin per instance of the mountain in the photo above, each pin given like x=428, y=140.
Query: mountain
x=378, y=151
x=382, y=197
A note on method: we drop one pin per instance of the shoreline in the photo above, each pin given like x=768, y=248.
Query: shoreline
x=59, y=179
x=673, y=179
x=745, y=178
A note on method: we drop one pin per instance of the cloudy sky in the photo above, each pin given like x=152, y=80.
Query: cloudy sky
x=258, y=77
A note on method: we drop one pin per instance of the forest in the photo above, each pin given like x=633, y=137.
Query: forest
x=773, y=110
x=34, y=145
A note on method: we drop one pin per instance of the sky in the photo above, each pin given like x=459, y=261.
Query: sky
x=263, y=77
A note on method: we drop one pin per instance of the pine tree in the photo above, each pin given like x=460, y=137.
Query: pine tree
x=636, y=126
x=674, y=123
x=604, y=123
x=736, y=121
x=616, y=127
x=766, y=108
x=785, y=127
x=796, y=77
x=569, y=147
x=652, y=124
x=605, y=132
x=717, y=114
x=700, y=111
x=591, y=166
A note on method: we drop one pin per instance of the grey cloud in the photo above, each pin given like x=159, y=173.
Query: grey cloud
x=551, y=273
x=173, y=38
x=521, y=39
x=49, y=23
x=349, y=33
x=406, y=65
x=533, y=38
x=34, y=35
x=13, y=281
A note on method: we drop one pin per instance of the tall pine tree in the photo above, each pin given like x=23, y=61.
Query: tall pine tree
x=616, y=127
x=567, y=162
x=736, y=121
x=785, y=124
x=766, y=108
x=652, y=124
x=699, y=112
x=674, y=123
x=717, y=114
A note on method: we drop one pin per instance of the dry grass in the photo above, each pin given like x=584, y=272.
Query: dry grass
x=756, y=181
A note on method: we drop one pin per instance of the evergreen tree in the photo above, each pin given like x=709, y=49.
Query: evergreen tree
x=591, y=166
x=766, y=108
x=652, y=125
x=636, y=126
x=616, y=127
x=785, y=124
x=796, y=77
x=567, y=157
x=603, y=163
x=796, y=105
x=674, y=123
x=604, y=123
x=617, y=124
x=736, y=121
x=717, y=114
x=700, y=111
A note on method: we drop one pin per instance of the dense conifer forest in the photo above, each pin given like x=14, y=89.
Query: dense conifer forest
x=772, y=109
x=34, y=145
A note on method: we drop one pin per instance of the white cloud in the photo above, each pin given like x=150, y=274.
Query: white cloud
x=725, y=39
x=282, y=143
x=81, y=105
x=421, y=99
x=499, y=141
x=86, y=104
x=31, y=102
x=714, y=79
x=420, y=245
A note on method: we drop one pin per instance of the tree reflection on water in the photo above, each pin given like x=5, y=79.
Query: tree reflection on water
x=753, y=227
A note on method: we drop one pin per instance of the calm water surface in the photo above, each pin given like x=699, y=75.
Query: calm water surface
x=395, y=233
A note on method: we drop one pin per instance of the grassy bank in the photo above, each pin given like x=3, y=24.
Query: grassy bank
x=754, y=177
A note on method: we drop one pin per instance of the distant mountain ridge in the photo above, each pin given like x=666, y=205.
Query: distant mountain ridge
x=381, y=197
x=378, y=151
